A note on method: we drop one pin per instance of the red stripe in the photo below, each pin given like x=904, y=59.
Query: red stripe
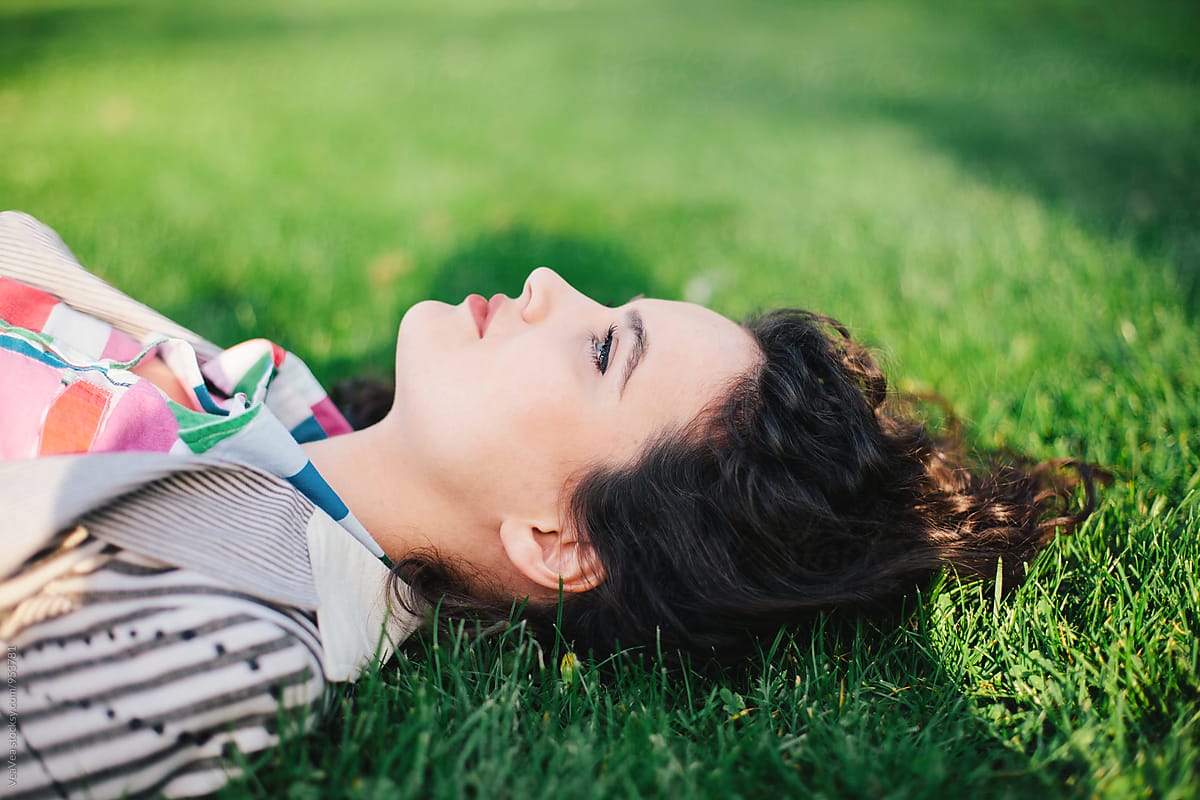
x=24, y=306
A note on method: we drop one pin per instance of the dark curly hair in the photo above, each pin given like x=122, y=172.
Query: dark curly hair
x=806, y=488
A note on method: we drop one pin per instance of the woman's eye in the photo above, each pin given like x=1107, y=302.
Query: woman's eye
x=601, y=349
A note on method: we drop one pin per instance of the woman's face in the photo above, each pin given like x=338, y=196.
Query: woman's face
x=505, y=402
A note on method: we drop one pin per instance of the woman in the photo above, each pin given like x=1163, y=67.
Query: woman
x=652, y=473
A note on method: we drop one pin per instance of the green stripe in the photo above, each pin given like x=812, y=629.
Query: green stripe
x=201, y=432
x=24, y=333
x=253, y=377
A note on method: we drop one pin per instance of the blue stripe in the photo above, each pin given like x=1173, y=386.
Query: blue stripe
x=22, y=346
x=308, y=431
x=207, y=403
x=314, y=487
x=19, y=345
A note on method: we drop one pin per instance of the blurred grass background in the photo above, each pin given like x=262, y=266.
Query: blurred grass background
x=1003, y=197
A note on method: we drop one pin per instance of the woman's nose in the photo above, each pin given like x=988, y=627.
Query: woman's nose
x=545, y=290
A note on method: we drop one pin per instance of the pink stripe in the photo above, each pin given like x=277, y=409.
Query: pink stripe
x=140, y=421
x=330, y=419
x=28, y=389
x=121, y=347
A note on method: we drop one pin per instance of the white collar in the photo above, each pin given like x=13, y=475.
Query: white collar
x=357, y=619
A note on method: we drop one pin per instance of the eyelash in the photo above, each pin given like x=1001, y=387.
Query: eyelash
x=601, y=349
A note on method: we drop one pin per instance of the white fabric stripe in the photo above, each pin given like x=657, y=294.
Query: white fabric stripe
x=305, y=629
x=85, y=335
x=182, y=692
x=273, y=497
x=116, y=602
x=214, y=695
x=25, y=254
x=293, y=407
x=360, y=623
x=255, y=514
x=118, y=660
x=110, y=583
x=116, y=583
x=131, y=527
x=136, y=777
x=61, y=630
x=203, y=777
x=138, y=532
x=239, y=657
x=243, y=519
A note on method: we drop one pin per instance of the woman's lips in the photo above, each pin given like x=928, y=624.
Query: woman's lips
x=484, y=311
x=494, y=306
x=479, y=309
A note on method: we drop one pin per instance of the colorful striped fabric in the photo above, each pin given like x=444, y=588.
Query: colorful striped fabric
x=68, y=388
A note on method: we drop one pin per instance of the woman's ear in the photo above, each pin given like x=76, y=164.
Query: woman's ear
x=545, y=555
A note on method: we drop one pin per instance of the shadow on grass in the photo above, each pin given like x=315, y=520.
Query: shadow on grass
x=1120, y=181
x=500, y=261
x=1121, y=176
x=494, y=262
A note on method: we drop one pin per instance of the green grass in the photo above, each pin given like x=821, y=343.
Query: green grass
x=1003, y=197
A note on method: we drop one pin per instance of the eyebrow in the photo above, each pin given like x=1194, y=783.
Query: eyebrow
x=640, y=345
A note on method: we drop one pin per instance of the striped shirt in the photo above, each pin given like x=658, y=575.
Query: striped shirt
x=152, y=679
x=128, y=674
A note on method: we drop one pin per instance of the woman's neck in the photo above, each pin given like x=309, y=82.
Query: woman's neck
x=400, y=510
x=406, y=510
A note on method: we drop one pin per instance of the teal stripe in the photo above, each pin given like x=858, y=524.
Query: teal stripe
x=308, y=431
x=17, y=344
x=312, y=485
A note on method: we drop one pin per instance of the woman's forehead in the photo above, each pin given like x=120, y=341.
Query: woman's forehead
x=690, y=347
